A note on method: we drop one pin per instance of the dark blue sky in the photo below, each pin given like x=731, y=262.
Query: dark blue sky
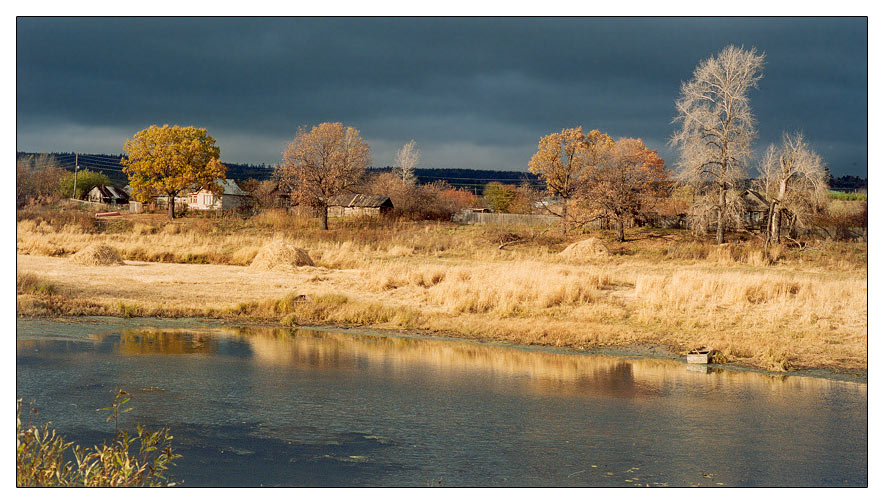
x=473, y=92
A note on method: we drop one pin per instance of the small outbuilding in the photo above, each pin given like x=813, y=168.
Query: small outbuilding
x=359, y=205
x=108, y=194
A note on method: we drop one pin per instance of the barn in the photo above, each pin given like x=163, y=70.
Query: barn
x=359, y=205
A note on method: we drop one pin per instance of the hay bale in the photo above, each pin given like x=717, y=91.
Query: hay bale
x=586, y=249
x=97, y=255
x=279, y=255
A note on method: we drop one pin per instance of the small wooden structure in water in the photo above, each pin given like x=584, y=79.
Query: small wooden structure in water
x=700, y=355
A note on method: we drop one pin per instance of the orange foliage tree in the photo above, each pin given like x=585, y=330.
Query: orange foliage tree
x=626, y=182
x=563, y=160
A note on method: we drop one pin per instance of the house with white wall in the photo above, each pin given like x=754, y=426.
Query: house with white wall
x=231, y=197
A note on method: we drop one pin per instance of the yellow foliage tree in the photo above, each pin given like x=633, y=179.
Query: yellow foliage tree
x=324, y=162
x=166, y=160
x=562, y=160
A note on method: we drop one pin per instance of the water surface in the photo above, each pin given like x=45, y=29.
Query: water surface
x=274, y=407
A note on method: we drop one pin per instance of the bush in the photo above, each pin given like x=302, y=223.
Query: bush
x=86, y=180
x=37, y=179
x=58, y=218
x=434, y=201
x=29, y=283
x=40, y=456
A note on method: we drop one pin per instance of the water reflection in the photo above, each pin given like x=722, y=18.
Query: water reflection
x=299, y=407
x=154, y=341
x=546, y=373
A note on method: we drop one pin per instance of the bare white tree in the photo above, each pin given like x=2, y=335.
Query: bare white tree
x=717, y=125
x=406, y=159
x=793, y=179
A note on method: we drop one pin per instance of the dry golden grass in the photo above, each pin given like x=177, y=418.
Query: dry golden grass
x=777, y=309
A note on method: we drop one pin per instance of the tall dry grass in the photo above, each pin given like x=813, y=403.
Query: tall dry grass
x=777, y=308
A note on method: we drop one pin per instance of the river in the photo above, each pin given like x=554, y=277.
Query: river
x=276, y=407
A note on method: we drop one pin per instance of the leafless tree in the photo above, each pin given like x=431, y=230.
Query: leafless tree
x=793, y=179
x=717, y=125
x=37, y=178
x=705, y=206
x=406, y=160
x=322, y=163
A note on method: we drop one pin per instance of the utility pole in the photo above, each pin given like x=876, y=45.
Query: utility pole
x=76, y=167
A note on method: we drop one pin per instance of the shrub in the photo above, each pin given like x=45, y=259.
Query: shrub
x=29, y=283
x=40, y=455
x=86, y=180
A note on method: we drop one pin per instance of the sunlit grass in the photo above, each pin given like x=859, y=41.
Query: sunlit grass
x=777, y=308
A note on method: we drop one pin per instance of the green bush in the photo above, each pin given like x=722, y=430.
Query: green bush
x=40, y=456
x=86, y=180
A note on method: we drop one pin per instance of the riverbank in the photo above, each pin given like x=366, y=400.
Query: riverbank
x=779, y=318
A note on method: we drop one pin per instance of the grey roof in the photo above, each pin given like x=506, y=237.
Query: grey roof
x=755, y=200
x=361, y=200
x=228, y=186
x=117, y=192
x=110, y=192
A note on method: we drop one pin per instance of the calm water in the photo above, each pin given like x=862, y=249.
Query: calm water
x=269, y=407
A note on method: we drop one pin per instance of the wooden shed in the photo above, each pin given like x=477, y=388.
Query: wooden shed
x=359, y=205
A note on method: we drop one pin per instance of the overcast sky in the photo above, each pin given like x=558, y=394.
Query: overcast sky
x=473, y=93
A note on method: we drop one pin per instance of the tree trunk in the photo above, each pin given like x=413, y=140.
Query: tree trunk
x=621, y=237
x=722, y=205
x=324, y=216
x=564, y=216
x=775, y=216
x=171, y=206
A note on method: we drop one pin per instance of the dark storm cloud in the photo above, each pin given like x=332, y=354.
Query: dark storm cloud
x=472, y=92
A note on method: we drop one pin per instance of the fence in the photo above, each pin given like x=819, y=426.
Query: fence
x=507, y=219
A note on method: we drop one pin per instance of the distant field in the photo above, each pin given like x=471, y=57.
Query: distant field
x=848, y=196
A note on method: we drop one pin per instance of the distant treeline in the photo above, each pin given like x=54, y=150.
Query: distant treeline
x=473, y=180
x=109, y=165
x=849, y=182
x=465, y=178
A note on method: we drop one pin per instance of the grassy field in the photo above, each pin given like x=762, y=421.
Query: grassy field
x=780, y=309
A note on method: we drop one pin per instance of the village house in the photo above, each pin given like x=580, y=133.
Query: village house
x=231, y=197
x=755, y=207
x=359, y=205
x=108, y=194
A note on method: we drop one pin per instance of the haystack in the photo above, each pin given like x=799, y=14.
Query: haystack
x=97, y=255
x=586, y=249
x=280, y=256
